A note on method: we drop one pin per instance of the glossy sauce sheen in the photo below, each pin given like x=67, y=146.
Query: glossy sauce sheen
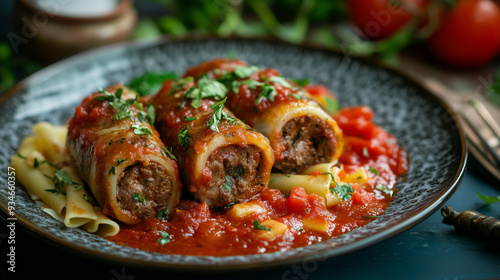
x=195, y=230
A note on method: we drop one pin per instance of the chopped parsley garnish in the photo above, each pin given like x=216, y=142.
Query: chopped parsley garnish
x=219, y=114
x=268, y=92
x=137, y=197
x=344, y=192
x=166, y=152
x=162, y=214
x=180, y=84
x=189, y=119
x=296, y=137
x=258, y=226
x=205, y=88
x=21, y=156
x=165, y=238
x=332, y=105
x=86, y=198
x=112, y=170
x=281, y=81
x=37, y=163
x=183, y=136
x=242, y=72
x=228, y=184
x=370, y=217
x=121, y=107
x=296, y=96
x=373, y=170
x=238, y=171
x=384, y=189
x=60, y=179
x=301, y=83
x=139, y=130
x=120, y=161
x=365, y=152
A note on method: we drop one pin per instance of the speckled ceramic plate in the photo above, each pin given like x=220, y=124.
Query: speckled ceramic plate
x=425, y=127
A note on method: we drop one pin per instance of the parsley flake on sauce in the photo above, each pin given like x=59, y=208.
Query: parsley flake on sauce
x=165, y=238
x=206, y=88
x=344, y=192
x=166, y=152
x=219, y=114
x=139, y=130
x=183, y=136
x=258, y=226
x=242, y=72
x=384, y=189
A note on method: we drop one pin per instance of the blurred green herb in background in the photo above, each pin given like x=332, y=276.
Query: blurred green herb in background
x=13, y=67
x=322, y=22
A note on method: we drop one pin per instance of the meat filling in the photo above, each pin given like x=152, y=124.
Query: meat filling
x=144, y=189
x=235, y=174
x=308, y=140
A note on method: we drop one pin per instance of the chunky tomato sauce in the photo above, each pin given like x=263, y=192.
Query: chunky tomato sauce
x=197, y=230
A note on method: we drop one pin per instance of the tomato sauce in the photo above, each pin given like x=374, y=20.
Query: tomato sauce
x=197, y=230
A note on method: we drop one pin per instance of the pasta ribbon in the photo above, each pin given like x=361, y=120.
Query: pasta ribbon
x=60, y=189
x=321, y=179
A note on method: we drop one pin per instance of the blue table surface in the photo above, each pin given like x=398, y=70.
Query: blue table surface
x=429, y=250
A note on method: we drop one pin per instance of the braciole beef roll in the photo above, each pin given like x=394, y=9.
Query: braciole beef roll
x=221, y=159
x=301, y=133
x=120, y=156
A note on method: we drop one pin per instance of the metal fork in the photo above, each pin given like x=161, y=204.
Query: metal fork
x=480, y=127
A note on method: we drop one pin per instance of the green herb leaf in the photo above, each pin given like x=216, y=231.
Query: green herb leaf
x=258, y=226
x=150, y=83
x=189, y=119
x=300, y=83
x=219, y=114
x=489, y=199
x=162, y=214
x=281, y=81
x=151, y=114
x=183, y=136
x=228, y=184
x=268, y=92
x=165, y=238
x=139, y=130
x=344, y=192
x=137, y=197
x=332, y=105
x=373, y=170
x=21, y=156
x=120, y=161
x=384, y=189
x=166, y=152
x=242, y=72
x=365, y=152
x=112, y=170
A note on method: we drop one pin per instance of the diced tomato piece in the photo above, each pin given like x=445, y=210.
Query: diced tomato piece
x=316, y=173
x=357, y=196
x=363, y=112
x=297, y=201
x=364, y=148
x=275, y=198
x=357, y=127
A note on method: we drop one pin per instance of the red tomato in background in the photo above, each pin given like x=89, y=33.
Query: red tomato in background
x=379, y=19
x=469, y=34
